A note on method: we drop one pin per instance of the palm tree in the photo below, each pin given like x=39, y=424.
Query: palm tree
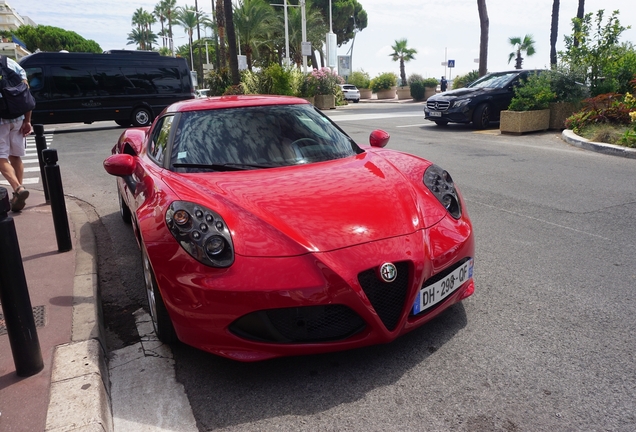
x=160, y=13
x=220, y=25
x=169, y=7
x=580, y=14
x=231, y=41
x=254, y=21
x=527, y=45
x=144, y=36
x=188, y=18
x=403, y=54
x=316, y=29
x=484, y=25
x=554, y=29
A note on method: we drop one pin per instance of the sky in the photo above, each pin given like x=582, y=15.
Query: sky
x=439, y=30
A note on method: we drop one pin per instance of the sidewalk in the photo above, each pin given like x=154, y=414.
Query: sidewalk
x=71, y=392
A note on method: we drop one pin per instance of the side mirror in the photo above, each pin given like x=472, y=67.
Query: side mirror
x=120, y=165
x=379, y=138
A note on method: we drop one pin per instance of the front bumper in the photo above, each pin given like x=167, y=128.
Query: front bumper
x=262, y=308
x=463, y=114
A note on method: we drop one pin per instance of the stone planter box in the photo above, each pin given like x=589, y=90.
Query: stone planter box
x=559, y=111
x=324, y=102
x=404, y=93
x=519, y=122
x=428, y=92
x=310, y=99
x=387, y=94
x=365, y=93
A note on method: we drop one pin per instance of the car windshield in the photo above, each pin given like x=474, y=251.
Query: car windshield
x=499, y=80
x=257, y=137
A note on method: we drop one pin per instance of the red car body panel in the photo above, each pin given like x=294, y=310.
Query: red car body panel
x=301, y=234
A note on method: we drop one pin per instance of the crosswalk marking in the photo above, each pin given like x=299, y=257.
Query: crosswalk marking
x=30, y=162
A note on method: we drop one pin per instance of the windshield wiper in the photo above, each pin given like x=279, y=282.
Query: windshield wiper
x=222, y=167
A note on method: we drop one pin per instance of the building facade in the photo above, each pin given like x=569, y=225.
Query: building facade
x=10, y=20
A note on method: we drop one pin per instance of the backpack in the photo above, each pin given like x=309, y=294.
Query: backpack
x=16, y=98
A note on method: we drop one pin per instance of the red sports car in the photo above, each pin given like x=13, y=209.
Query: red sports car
x=266, y=231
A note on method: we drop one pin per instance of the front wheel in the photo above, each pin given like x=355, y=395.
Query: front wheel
x=158, y=312
x=481, y=116
x=124, y=210
x=142, y=117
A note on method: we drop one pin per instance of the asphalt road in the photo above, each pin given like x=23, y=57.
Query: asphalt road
x=545, y=343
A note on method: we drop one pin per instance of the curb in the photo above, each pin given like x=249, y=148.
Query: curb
x=609, y=149
x=80, y=388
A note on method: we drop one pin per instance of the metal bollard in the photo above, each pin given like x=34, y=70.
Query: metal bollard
x=14, y=295
x=58, y=205
x=40, y=144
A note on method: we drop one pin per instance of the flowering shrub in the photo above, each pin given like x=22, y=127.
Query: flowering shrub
x=321, y=82
x=609, y=108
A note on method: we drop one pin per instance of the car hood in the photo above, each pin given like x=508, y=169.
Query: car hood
x=460, y=93
x=316, y=207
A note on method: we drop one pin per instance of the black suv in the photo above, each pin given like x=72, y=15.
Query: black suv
x=481, y=102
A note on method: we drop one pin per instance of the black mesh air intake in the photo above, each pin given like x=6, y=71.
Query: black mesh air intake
x=299, y=325
x=387, y=298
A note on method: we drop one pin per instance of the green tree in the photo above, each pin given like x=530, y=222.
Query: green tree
x=231, y=42
x=316, y=30
x=526, y=44
x=348, y=17
x=188, y=18
x=143, y=36
x=48, y=38
x=403, y=54
x=254, y=21
x=598, y=55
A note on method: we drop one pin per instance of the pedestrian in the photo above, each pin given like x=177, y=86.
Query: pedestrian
x=443, y=84
x=13, y=134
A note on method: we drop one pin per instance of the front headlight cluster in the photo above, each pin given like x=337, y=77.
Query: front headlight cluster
x=461, y=103
x=441, y=184
x=201, y=232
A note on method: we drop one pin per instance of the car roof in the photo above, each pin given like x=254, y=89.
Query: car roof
x=240, y=101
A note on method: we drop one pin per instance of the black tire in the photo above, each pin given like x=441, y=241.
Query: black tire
x=441, y=122
x=356, y=100
x=124, y=211
x=158, y=312
x=123, y=123
x=142, y=117
x=481, y=116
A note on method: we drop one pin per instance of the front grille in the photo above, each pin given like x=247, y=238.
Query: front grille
x=299, y=325
x=437, y=105
x=387, y=298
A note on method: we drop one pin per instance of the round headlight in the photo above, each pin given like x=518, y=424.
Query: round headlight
x=214, y=245
x=181, y=217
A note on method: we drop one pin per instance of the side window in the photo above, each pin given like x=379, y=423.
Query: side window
x=159, y=139
x=69, y=81
x=35, y=78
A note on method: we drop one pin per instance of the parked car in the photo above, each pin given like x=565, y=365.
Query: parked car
x=481, y=102
x=350, y=92
x=202, y=93
x=266, y=231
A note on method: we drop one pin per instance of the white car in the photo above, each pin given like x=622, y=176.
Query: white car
x=350, y=92
x=202, y=93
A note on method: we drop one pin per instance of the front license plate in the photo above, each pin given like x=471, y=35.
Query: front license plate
x=435, y=113
x=432, y=294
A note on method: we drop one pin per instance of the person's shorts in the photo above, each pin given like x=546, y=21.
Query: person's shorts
x=12, y=142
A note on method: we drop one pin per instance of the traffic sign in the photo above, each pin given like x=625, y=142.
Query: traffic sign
x=451, y=63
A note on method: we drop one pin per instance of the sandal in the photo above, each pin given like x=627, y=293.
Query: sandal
x=19, y=199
